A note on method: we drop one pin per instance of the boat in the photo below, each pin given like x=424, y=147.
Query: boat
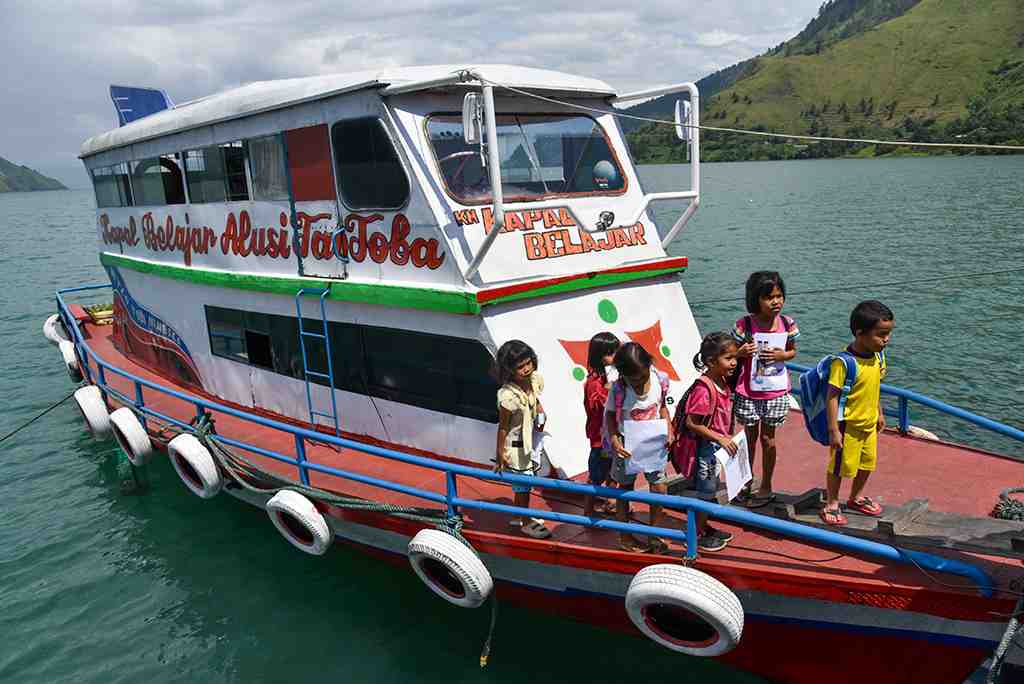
x=309, y=281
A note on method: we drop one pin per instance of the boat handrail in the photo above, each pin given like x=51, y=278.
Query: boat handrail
x=453, y=501
x=906, y=396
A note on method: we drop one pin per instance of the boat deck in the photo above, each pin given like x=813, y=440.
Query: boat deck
x=953, y=479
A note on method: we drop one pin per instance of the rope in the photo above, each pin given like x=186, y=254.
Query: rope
x=35, y=418
x=894, y=283
x=764, y=134
x=1009, y=508
x=1004, y=644
x=242, y=470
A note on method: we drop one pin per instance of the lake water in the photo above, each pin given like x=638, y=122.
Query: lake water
x=97, y=586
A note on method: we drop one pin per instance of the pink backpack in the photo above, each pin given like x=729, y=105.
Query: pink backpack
x=684, y=449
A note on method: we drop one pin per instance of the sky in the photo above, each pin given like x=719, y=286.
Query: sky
x=60, y=57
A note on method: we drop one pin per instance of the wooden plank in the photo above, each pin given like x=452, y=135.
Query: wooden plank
x=897, y=520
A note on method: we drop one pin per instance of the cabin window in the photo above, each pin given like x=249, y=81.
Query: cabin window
x=445, y=374
x=267, y=167
x=542, y=155
x=112, y=186
x=158, y=180
x=216, y=174
x=369, y=173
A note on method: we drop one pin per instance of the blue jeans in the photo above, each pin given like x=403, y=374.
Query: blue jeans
x=705, y=476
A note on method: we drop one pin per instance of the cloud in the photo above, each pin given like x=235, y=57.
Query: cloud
x=61, y=57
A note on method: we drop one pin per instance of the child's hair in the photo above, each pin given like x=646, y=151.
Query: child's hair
x=509, y=356
x=866, y=315
x=711, y=347
x=760, y=284
x=631, y=359
x=601, y=345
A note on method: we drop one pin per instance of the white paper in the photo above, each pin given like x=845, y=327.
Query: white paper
x=645, y=440
x=539, y=439
x=765, y=377
x=736, y=468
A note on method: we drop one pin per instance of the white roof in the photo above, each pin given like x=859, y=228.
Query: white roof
x=263, y=96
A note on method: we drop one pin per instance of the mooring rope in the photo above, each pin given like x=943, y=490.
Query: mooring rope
x=242, y=469
x=741, y=131
x=35, y=418
x=1007, y=507
x=999, y=655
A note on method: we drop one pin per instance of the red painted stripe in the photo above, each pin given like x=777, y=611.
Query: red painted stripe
x=484, y=296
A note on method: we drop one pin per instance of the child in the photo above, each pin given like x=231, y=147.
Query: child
x=761, y=412
x=640, y=393
x=519, y=410
x=709, y=419
x=600, y=354
x=854, y=434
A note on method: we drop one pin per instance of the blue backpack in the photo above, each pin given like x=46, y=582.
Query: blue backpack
x=814, y=394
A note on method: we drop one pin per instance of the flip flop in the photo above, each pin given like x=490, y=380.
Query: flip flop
x=833, y=517
x=865, y=505
x=631, y=545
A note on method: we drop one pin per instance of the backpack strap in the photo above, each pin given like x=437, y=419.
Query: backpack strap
x=851, y=377
x=663, y=381
x=619, y=398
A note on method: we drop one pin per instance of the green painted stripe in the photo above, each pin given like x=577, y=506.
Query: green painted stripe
x=586, y=282
x=345, y=291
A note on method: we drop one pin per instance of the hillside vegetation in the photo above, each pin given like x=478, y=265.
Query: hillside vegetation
x=893, y=69
x=14, y=178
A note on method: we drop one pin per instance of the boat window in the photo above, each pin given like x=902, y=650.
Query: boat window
x=369, y=172
x=216, y=174
x=112, y=186
x=158, y=180
x=541, y=156
x=267, y=168
x=445, y=374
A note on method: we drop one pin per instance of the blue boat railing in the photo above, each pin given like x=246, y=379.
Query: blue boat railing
x=453, y=502
x=905, y=396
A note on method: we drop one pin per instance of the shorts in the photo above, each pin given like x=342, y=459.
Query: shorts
x=860, y=452
x=705, y=472
x=599, y=466
x=771, y=412
x=620, y=475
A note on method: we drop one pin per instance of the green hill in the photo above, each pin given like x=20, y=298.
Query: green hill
x=14, y=178
x=895, y=69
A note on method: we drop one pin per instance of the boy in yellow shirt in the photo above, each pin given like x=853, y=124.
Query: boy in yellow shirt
x=853, y=434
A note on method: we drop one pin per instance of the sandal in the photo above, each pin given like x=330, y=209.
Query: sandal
x=630, y=544
x=536, y=528
x=760, y=500
x=657, y=545
x=864, y=505
x=604, y=507
x=832, y=516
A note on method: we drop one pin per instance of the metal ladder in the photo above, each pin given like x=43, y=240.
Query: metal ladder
x=306, y=372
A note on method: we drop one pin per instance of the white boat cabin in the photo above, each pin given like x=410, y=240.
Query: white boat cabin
x=378, y=188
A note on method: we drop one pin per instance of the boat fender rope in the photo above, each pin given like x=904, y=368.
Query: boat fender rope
x=1009, y=508
x=242, y=470
x=999, y=655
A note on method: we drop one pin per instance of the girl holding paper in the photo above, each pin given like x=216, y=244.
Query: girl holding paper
x=766, y=340
x=640, y=430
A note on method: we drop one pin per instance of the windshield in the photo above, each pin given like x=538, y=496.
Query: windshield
x=541, y=155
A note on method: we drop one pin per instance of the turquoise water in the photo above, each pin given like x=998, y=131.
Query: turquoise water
x=100, y=586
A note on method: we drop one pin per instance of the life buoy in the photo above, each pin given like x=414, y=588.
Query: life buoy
x=449, y=568
x=67, y=352
x=195, y=466
x=298, y=521
x=53, y=330
x=131, y=436
x=685, y=610
x=89, y=400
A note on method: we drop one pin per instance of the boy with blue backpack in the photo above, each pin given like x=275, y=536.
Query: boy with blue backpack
x=841, y=403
